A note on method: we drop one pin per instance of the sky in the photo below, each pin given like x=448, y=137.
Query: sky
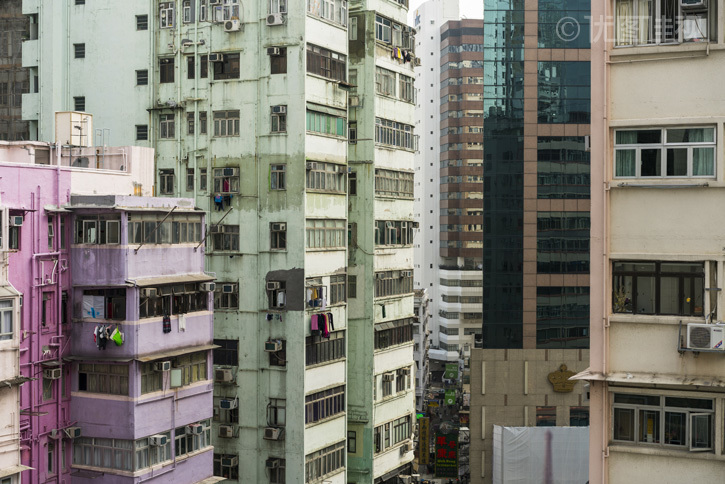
x=468, y=8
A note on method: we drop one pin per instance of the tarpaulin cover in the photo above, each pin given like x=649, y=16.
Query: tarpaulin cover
x=520, y=455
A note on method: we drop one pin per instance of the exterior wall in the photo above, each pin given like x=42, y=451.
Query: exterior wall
x=638, y=87
x=421, y=340
x=506, y=388
x=14, y=79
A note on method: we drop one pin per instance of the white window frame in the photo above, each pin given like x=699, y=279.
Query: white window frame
x=187, y=11
x=167, y=14
x=664, y=146
x=628, y=28
x=7, y=312
x=278, y=6
x=230, y=10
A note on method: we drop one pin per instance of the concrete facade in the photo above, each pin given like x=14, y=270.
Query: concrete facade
x=14, y=78
x=381, y=409
x=421, y=345
x=635, y=88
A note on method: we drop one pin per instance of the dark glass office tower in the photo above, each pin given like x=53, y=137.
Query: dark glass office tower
x=536, y=174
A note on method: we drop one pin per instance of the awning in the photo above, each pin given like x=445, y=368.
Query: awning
x=16, y=380
x=55, y=209
x=118, y=359
x=321, y=108
x=175, y=279
x=650, y=379
x=175, y=352
x=211, y=480
x=7, y=290
x=9, y=471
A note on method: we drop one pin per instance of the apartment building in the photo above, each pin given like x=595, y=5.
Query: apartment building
x=657, y=261
x=381, y=375
x=421, y=346
x=536, y=222
x=14, y=78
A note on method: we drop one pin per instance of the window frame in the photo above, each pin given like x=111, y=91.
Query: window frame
x=226, y=123
x=278, y=176
x=167, y=15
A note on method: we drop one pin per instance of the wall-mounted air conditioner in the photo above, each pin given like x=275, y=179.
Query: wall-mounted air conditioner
x=16, y=221
x=233, y=25
x=194, y=429
x=226, y=431
x=216, y=57
x=158, y=440
x=705, y=336
x=223, y=375
x=162, y=366
x=228, y=288
x=230, y=461
x=389, y=376
x=208, y=286
x=273, y=285
x=228, y=404
x=282, y=109
x=73, y=432
x=693, y=4
x=279, y=227
x=52, y=374
x=272, y=433
x=273, y=346
x=273, y=51
x=272, y=463
x=276, y=19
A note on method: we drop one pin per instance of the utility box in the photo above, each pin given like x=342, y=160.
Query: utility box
x=74, y=128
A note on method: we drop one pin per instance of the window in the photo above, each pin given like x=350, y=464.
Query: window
x=226, y=123
x=279, y=358
x=79, y=51
x=80, y=2
x=186, y=443
x=228, y=352
x=203, y=10
x=391, y=333
x=277, y=412
x=392, y=433
x=352, y=183
x=47, y=389
x=675, y=288
x=202, y=124
x=277, y=474
x=351, y=442
x=352, y=132
x=176, y=299
x=325, y=234
x=223, y=415
x=104, y=304
x=227, y=466
x=562, y=242
x=402, y=380
x=407, y=89
x=664, y=421
x=230, y=9
x=142, y=22
x=351, y=287
x=51, y=457
x=202, y=178
x=142, y=77
x=278, y=63
x=6, y=319
x=51, y=232
x=190, y=67
x=166, y=15
x=277, y=294
x=166, y=70
x=392, y=133
x=127, y=455
x=225, y=237
x=279, y=119
x=228, y=68
x=563, y=93
x=142, y=132
x=167, y=129
x=103, y=378
x=324, y=404
x=546, y=416
x=176, y=229
x=337, y=289
x=323, y=123
x=79, y=103
x=278, y=177
x=166, y=182
x=659, y=22
x=226, y=180
x=384, y=81
x=393, y=232
x=192, y=366
x=190, y=122
x=326, y=177
x=331, y=10
x=321, y=350
x=204, y=67
x=352, y=29
x=186, y=6
x=393, y=283
x=383, y=28
x=579, y=417
x=278, y=236
x=278, y=6
x=326, y=63
x=98, y=229
x=324, y=462
x=665, y=153
x=226, y=296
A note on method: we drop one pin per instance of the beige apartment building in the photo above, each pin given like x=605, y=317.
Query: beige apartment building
x=658, y=253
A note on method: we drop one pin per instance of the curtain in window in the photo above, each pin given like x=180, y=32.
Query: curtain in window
x=625, y=162
x=703, y=162
x=625, y=23
x=645, y=16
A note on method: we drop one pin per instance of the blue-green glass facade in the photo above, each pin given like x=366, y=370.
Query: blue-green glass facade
x=562, y=173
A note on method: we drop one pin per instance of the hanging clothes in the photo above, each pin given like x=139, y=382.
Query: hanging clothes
x=314, y=324
x=325, y=329
x=182, y=322
x=167, y=324
x=329, y=322
x=280, y=299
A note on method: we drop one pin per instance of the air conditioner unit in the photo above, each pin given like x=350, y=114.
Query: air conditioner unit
x=311, y=166
x=406, y=273
x=162, y=366
x=215, y=2
x=223, y=375
x=379, y=275
x=232, y=25
x=404, y=449
x=228, y=404
x=228, y=288
x=272, y=463
x=52, y=374
x=216, y=57
x=158, y=440
x=388, y=376
x=693, y=4
x=194, y=429
x=279, y=227
x=216, y=229
x=417, y=62
x=353, y=101
x=273, y=285
x=273, y=51
x=230, y=461
x=272, y=433
x=276, y=19
x=273, y=346
x=150, y=292
x=73, y=432
x=415, y=225
x=208, y=286
x=230, y=171
x=404, y=479
x=405, y=371
x=705, y=337
x=226, y=431
x=279, y=109
x=16, y=221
